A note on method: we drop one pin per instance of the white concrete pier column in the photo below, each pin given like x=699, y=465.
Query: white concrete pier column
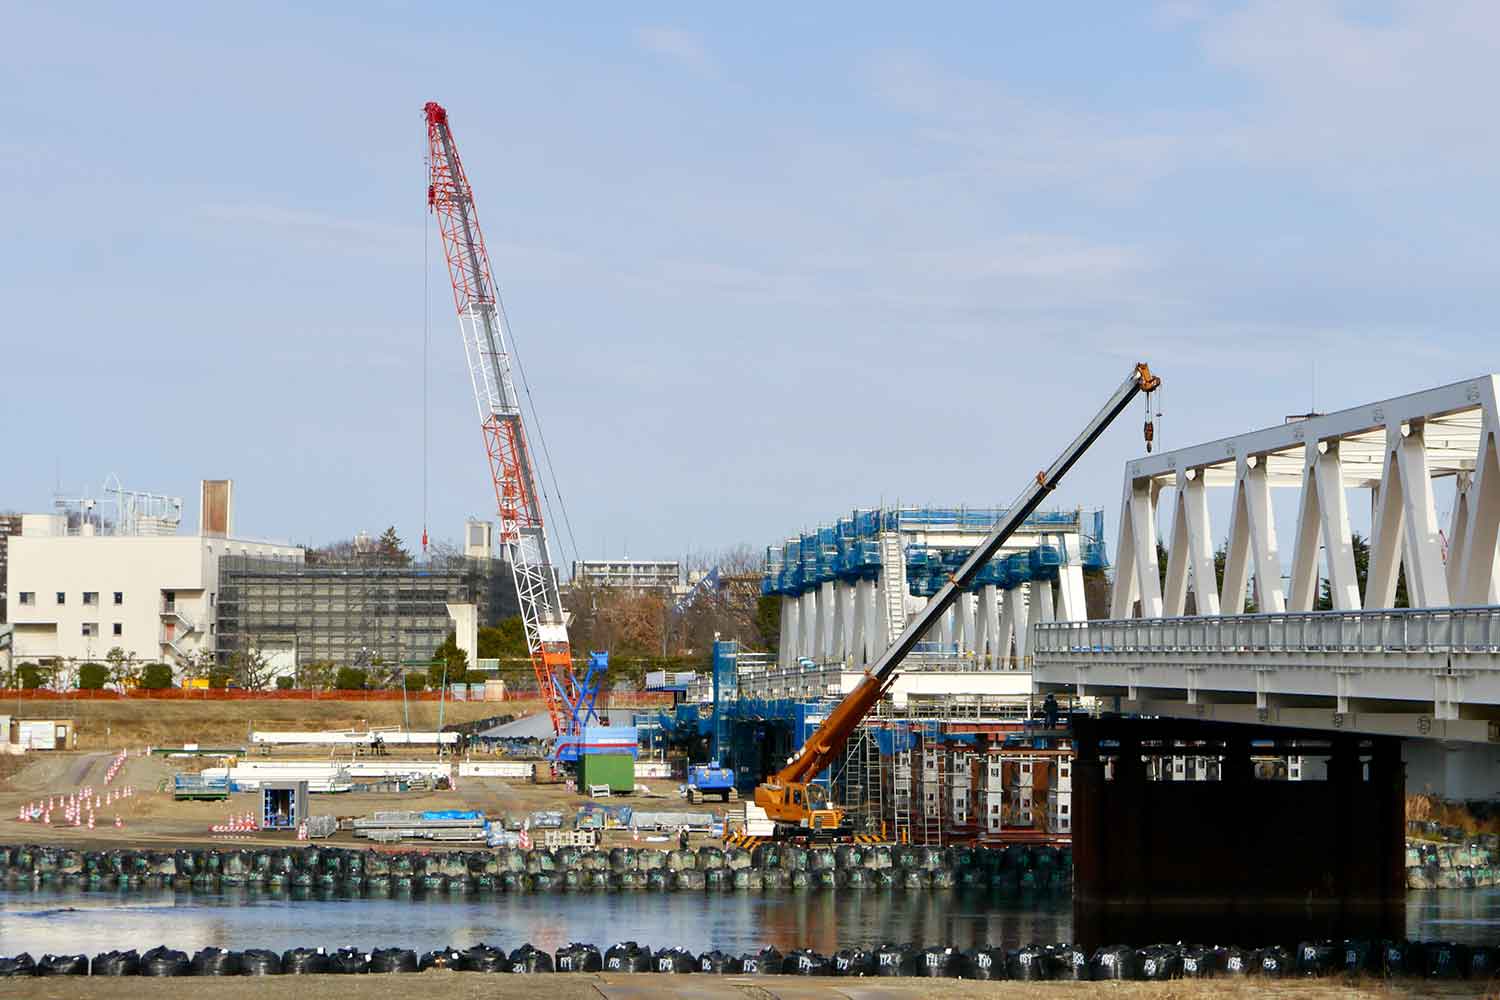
x=1072, y=606
x=1041, y=593
x=809, y=645
x=1022, y=613
x=987, y=639
x=791, y=632
x=825, y=622
x=966, y=637
x=945, y=629
x=859, y=641
x=1007, y=631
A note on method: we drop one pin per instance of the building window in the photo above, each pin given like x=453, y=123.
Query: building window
x=119, y=629
x=28, y=598
x=90, y=598
x=119, y=598
x=90, y=629
x=62, y=598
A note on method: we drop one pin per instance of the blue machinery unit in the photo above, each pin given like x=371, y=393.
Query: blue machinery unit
x=580, y=708
x=848, y=550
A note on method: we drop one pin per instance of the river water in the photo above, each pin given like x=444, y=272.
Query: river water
x=70, y=921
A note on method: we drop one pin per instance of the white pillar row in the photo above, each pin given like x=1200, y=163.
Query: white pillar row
x=1323, y=516
x=1137, y=575
x=1022, y=614
x=1405, y=528
x=791, y=632
x=1191, y=552
x=1478, y=575
x=1252, y=542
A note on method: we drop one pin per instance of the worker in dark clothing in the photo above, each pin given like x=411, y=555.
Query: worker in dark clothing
x=682, y=838
x=1050, y=710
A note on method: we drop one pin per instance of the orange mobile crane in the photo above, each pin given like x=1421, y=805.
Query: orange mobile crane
x=791, y=798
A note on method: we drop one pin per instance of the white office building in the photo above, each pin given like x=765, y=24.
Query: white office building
x=81, y=586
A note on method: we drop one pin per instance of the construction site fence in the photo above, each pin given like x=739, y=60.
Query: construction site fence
x=612, y=699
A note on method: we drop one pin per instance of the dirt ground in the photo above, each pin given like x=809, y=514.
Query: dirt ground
x=112, y=724
x=152, y=818
x=473, y=986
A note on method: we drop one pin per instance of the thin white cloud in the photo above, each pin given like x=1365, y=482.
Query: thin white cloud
x=675, y=45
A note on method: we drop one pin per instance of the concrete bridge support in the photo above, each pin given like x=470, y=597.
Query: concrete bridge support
x=1238, y=860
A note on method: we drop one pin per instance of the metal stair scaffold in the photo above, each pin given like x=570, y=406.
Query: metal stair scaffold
x=482, y=323
x=893, y=584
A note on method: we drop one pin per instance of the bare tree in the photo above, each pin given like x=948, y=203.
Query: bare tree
x=252, y=669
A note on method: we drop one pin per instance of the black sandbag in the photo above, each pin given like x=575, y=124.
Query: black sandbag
x=1238, y=961
x=988, y=963
x=676, y=960
x=63, y=965
x=1317, y=958
x=1482, y=964
x=1113, y=961
x=689, y=880
x=161, y=961
x=1160, y=963
x=1273, y=962
x=627, y=956
x=483, y=958
x=806, y=962
x=260, y=962
x=766, y=962
x=443, y=958
x=1396, y=958
x=717, y=963
x=895, y=960
x=304, y=962
x=578, y=957
x=942, y=963
x=527, y=959
x=20, y=965
x=1202, y=963
x=1069, y=962
x=1031, y=964
x=1356, y=956
x=393, y=960
x=116, y=963
x=1444, y=960
x=348, y=962
x=213, y=961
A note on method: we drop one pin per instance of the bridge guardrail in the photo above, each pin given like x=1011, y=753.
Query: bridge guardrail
x=1422, y=630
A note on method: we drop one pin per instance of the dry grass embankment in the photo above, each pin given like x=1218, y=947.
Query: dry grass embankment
x=107, y=724
x=1451, y=814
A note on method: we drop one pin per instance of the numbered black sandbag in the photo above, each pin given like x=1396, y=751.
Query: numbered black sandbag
x=1202, y=963
x=528, y=960
x=578, y=957
x=1482, y=962
x=806, y=962
x=1238, y=961
x=775, y=879
x=766, y=962
x=483, y=958
x=260, y=962
x=1318, y=958
x=987, y=963
x=116, y=963
x=1274, y=962
x=895, y=960
x=627, y=956
x=542, y=882
x=1444, y=960
x=443, y=958
x=623, y=859
x=1396, y=958
x=710, y=857
x=20, y=965
x=1069, y=962
x=348, y=962
x=676, y=961
x=1159, y=963
x=213, y=961
x=853, y=962
x=717, y=963
x=63, y=965
x=718, y=879
x=939, y=962
x=1114, y=961
x=393, y=960
x=688, y=880
x=161, y=961
x=1031, y=964
x=304, y=962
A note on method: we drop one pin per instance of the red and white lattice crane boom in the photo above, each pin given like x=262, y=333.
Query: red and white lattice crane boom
x=481, y=321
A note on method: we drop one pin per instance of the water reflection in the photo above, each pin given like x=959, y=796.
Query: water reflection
x=69, y=920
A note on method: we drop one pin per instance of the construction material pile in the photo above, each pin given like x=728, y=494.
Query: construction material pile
x=769, y=868
x=1034, y=963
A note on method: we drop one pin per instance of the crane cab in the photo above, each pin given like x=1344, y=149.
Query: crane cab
x=801, y=809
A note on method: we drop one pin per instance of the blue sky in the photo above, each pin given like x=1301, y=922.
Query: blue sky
x=763, y=265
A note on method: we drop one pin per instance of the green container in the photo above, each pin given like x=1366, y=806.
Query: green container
x=617, y=770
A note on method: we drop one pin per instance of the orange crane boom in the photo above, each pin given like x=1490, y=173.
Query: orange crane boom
x=790, y=797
